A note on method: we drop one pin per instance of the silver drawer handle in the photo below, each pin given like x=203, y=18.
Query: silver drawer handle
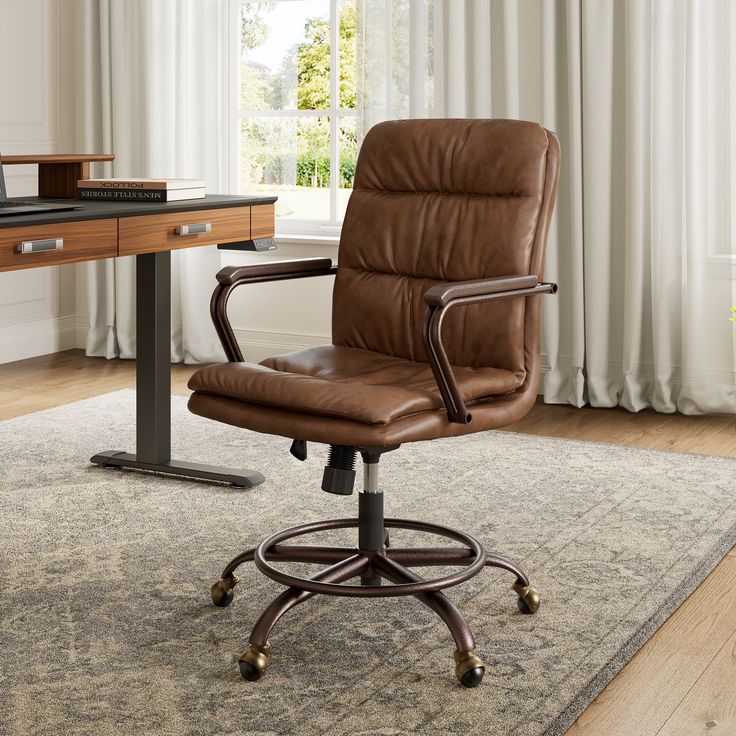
x=204, y=227
x=41, y=246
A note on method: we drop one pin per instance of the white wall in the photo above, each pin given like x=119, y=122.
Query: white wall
x=37, y=306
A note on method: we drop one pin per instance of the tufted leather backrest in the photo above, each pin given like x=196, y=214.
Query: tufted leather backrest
x=444, y=200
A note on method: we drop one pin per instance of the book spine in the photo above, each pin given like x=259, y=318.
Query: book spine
x=121, y=185
x=173, y=185
x=130, y=195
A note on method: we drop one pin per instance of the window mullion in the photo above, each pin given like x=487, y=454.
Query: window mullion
x=389, y=54
x=285, y=113
x=343, y=111
x=334, y=105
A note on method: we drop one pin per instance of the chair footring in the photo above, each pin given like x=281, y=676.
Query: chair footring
x=274, y=545
x=382, y=573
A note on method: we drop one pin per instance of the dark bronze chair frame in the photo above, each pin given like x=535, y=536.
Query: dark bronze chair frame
x=373, y=559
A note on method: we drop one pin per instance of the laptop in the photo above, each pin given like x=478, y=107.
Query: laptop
x=14, y=207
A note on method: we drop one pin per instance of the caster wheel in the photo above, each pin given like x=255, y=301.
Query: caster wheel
x=249, y=672
x=254, y=661
x=473, y=678
x=469, y=668
x=528, y=600
x=222, y=591
x=386, y=539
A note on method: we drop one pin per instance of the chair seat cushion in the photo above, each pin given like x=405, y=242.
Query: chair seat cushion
x=349, y=383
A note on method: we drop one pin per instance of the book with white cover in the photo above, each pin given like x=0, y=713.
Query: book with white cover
x=141, y=195
x=133, y=184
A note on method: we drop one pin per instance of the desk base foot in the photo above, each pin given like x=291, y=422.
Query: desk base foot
x=239, y=478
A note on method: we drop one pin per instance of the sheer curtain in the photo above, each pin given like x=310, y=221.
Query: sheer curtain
x=643, y=96
x=151, y=86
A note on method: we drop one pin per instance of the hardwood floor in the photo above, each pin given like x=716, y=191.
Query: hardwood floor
x=60, y=378
x=681, y=683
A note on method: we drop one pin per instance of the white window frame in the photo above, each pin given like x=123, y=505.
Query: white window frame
x=323, y=228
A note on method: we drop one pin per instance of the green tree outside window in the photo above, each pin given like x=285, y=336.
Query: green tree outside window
x=268, y=156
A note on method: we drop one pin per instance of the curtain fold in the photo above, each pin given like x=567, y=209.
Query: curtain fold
x=642, y=94
x=151, y=87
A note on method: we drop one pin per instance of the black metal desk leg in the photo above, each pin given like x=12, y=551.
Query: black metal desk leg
x=153, y=390
x=153, y=357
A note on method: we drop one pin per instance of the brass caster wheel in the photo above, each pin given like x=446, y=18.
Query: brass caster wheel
x=469, y=668
x=254, y=661
x=222, y=591
x=528, y=600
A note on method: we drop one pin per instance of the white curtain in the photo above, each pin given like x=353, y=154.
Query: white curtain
x=151, y=87
x=643, y=96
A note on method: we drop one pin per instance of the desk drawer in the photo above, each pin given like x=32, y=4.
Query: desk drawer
x=262, y=221
x=75, y=241
x=151, y=233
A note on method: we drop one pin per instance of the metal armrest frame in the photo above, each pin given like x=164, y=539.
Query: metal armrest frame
x=230, y=277
x=440, y=299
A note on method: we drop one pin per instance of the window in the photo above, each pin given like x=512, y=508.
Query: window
x=297, y=115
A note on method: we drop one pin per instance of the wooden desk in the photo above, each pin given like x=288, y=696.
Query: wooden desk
x=149, y=232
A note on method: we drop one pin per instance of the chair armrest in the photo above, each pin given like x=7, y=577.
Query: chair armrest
x=440, y=294
x=231, y=277
x=270, y=271
x=440, y=298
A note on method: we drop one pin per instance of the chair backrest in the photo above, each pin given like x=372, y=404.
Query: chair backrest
x=445, y=200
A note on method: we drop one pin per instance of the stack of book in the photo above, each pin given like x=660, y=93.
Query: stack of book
x=141, y=190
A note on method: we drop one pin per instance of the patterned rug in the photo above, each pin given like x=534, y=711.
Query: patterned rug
x=106, y=625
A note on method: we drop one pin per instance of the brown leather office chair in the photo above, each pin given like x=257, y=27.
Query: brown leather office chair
x=435, y=333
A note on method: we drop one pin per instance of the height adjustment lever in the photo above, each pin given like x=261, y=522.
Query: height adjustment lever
x=299, y=449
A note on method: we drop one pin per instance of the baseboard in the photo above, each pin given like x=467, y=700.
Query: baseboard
x=258, y=345
x=30, y=339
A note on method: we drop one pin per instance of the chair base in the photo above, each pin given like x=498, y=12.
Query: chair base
x=374, y=567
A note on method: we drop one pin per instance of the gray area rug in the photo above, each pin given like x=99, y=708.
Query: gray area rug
x=106, y=624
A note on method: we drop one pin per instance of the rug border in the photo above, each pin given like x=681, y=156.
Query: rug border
x=577, y=706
